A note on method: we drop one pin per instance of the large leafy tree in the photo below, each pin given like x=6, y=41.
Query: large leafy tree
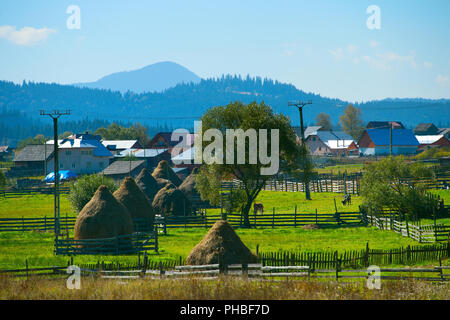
x=292, y=156
x=393, y=183
x=351, y=122
x=324, y=121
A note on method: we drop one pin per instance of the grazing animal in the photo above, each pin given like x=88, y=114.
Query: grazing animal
x=258, y=207
x=347, y=199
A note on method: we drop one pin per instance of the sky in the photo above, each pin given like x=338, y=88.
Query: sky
x=325, y=47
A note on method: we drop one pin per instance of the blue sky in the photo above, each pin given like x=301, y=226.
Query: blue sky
x=322, y=46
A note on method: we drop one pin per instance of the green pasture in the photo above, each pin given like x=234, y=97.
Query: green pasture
x=37, y=247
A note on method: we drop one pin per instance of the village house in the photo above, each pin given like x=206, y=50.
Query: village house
x=432, y=141
x=82, y=154
x=151, y=156
x=385, y=125
x=322, y=143
x=374, y=142
x=34, y=159
x=5, y=152
x=117, y=146
x=429, y=129
x=118, y=170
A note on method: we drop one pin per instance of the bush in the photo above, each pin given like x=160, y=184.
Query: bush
x=82, y=190
x=2, y=179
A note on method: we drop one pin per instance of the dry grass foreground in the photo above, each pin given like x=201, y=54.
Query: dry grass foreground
x=223, y=288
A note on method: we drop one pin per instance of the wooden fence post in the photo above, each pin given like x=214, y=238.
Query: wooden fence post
x=316, y=217
x=295, y=217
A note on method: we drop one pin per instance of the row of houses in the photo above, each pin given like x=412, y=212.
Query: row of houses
x=87, y=153
x=376, y=140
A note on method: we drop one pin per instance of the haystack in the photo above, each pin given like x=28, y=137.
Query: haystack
x=134, y=200
x=221, y=239
x=103, y=217
x=163, y=171
x=163, y=183
x=171, y=201
x=188, y=185
x=147, y=184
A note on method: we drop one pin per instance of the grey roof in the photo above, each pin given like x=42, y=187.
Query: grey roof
x=122, y=167
x=426, y=127
x=308, y=131
x=325, y=136
x=34, y=152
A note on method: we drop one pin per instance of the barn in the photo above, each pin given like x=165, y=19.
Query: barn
x=375, y=142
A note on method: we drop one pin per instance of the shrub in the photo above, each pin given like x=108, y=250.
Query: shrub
x=83, y=189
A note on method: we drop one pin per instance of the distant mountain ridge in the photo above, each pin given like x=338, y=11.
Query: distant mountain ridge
x=152, y=78
x=179, y=106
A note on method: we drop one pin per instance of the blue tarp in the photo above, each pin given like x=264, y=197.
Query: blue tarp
x=63, y=175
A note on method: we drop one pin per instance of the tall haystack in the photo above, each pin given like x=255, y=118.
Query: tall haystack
x=171, y=201
x=148, y=184
x=134, y=200
x=103, y=217
x=164, y=171
x=221, y=239
x=188, y=185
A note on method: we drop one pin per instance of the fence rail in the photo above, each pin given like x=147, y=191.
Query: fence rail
x=258, y=271
x=421, y=233
x=119, y=245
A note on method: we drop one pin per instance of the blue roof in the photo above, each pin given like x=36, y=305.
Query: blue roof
x=333, y=135
x=400, y=137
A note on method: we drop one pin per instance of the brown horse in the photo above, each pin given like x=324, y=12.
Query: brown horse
x=258, y=207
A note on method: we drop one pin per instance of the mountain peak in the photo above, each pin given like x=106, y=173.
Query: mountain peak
x=154, y=77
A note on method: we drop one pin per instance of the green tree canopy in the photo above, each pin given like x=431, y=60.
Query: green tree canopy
x=396, y=184
x=117, y=132
x=38, y=139
x=292, y=157
x=82, y=190
x=324, y=121
x=351, y=122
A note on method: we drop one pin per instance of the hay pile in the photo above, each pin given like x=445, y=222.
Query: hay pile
x=221, y=238
x=134, y=200
x=148, y=184
x=164, y=171
x=188, y=185
x=103, y=217
x=171, y=201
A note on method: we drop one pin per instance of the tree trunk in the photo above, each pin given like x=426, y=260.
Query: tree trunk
x=245, y=213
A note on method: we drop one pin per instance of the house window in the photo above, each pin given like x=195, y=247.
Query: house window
x=68, y=152
x=61, y=165
x=73, y=165
x=320, y=148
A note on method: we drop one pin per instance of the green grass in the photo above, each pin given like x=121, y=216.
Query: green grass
x=31, y=206
x=16, y=247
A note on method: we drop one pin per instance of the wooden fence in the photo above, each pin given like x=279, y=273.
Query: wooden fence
x=17, y=193
x=421, y=233
x=119, y=245
x=357, y=258
x=255, y=271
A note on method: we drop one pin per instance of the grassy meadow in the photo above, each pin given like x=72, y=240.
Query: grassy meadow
x=37, y=247
x=223, y=288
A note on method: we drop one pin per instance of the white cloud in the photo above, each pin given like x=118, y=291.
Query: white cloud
x=27, y=36
x=337, y=53
x=385, y=61
x=351, y=48
x=373, y=43
x=442, y=80
x=427, y=64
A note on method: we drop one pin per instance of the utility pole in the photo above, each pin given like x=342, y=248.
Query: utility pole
x=300, y=105
x=55, y=116
x=390, y=138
